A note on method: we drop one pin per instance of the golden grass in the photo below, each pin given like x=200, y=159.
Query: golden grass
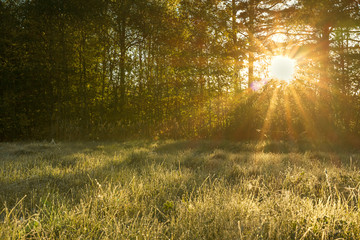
x=177, y=190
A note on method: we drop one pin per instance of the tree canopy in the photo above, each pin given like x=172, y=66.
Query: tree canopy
x=114, y=69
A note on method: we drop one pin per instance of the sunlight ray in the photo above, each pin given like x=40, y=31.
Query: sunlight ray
x=269, y=113
x=309, y=122
x=288, y=117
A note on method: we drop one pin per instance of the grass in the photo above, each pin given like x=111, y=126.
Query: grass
x=178, y=190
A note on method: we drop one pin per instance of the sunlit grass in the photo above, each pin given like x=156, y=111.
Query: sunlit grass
x=178, y=190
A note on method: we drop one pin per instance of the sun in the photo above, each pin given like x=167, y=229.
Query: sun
x=282, y=68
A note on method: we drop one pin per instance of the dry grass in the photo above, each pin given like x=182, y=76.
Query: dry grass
x=177, y=190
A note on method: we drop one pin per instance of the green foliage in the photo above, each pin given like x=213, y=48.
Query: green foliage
x=123, y=69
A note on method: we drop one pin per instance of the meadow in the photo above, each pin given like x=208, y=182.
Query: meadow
x=178, y=190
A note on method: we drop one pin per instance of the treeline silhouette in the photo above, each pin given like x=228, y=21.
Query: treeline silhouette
x=115, y=69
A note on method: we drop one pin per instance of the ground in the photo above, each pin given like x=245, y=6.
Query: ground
x=178, y=190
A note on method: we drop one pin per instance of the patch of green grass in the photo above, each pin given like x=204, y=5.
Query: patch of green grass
x=178, y=190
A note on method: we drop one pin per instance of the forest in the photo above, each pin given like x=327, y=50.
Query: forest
x=180, y=119
x=190, y=69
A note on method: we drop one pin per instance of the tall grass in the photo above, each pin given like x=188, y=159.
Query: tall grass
x=178, y=190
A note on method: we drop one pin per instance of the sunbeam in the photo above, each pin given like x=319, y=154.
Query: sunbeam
x=269, y=114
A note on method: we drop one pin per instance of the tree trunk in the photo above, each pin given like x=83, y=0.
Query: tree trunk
x=235, y=47
x=251, y=43
x=122, y=63
x=324, y=64
x=324, y=98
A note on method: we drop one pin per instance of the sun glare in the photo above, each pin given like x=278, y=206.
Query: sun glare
x=282, y=68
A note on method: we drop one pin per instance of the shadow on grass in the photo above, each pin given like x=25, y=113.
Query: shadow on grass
x=63, y=177
x=205, y=158
x=266, y=146
x=204, y=146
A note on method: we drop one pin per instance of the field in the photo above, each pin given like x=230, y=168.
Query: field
x=178, y=190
